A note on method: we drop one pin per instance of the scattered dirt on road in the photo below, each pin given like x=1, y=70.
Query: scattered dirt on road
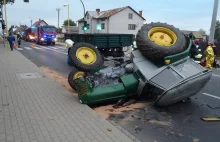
x=59, y=78
x=103, y=111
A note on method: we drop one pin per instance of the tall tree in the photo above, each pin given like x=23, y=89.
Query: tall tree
x=72, y=23
x=217, y=31
x=202, y=32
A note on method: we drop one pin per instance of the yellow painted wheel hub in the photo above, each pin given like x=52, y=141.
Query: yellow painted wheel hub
x=78, y=75
x=86, y=55
x=162, y=36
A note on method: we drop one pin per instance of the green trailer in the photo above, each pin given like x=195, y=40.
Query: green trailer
x=108, y=44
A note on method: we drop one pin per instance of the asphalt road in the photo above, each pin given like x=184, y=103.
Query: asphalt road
x=54, y=57
x=180, y=122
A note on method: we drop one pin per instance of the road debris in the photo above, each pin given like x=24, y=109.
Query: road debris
x=51, y=118
x=5, y=104
x=195, y=140
x=213, y=107
x=190, y=113
x=164, y=123
x=137, y=129
x=211, y=118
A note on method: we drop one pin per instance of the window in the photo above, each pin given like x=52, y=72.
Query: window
x=102, y=19
x=130, y=16
x=131, y=26
x=103, y=25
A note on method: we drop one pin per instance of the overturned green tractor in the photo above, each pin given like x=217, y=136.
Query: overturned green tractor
x=160, y=69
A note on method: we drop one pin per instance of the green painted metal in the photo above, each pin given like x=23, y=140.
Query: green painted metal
x=130, y=83
x=179, y=56
x=112, y=92
x=103, y=40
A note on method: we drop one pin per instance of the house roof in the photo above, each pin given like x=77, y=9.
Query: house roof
x=38, y=22
x=108, y=13
x=196, y=34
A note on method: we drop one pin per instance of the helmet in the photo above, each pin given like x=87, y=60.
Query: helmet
x=196, y=41
x=211, y=44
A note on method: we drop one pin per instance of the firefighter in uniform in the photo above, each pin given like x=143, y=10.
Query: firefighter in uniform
x=210, y=56
x=195, y=52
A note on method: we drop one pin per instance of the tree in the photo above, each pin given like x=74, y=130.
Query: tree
x=202, y=32
x=7, y=1
x=217, y=31
x=58, y=30
x=72, y=23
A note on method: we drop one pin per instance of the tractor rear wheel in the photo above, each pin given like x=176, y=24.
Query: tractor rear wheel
x=73, y=75
x=158, y=40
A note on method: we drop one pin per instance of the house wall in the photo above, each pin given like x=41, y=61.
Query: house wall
x=118, y=23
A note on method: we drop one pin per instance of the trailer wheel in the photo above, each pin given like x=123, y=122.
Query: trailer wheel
x=73, y=75
x=158, y=40
x=85, y=57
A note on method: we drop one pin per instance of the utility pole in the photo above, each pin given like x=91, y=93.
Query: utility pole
x=214, y=16
x=31, y=20
x=58, y=10
x=3, y=31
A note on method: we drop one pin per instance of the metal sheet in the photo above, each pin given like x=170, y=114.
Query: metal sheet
x=184, y=90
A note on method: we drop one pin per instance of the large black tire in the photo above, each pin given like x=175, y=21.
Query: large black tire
x=71, y=78
x=154, y=51
x=85, y=67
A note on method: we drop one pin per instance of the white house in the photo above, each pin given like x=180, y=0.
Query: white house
x=124, y=20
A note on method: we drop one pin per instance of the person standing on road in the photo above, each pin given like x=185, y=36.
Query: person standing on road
x=210, y=56
x=11, y=40
x=19, y=39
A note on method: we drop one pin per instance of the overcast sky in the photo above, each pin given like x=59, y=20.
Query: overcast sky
x=186, y=15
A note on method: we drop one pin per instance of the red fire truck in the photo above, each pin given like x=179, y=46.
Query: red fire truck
x=43, y=34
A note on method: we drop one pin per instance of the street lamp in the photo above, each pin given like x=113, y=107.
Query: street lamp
x=58, y=10
x=68, y=16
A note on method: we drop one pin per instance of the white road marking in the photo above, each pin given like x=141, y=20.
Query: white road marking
x=28, y=48
x=54, y=50
x=19, y=49
x=37, y=48
x=216, y=75
x=61, y=47
x=53, y=47
x=211, y=96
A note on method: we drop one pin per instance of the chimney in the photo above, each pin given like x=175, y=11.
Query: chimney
x=98, y=11
x=39, y=19
x=140, y=13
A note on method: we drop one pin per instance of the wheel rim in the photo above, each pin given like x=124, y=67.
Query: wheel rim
x=162, y=36
x=86, y=55
x=78, y=75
